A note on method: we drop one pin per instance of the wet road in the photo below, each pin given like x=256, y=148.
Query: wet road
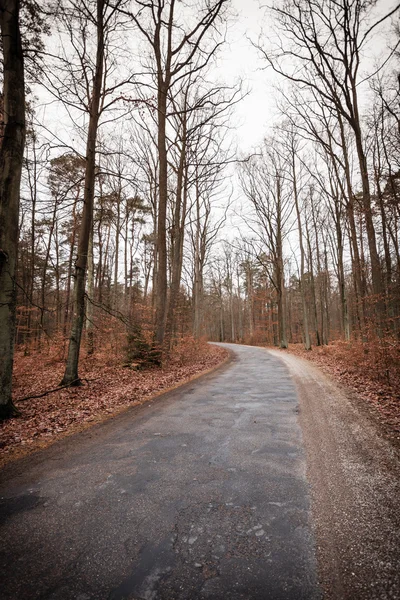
x=202, y=494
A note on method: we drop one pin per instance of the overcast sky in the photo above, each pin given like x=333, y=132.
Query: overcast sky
x=256, y=114
x=257, y=111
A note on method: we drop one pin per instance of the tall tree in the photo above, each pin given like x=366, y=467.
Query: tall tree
x=71, y=368
x=176, y=50
x=265, y=184
x=11, y=159
x=292, y=149
x=327, y=38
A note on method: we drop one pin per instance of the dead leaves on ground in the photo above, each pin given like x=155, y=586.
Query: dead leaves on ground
x=108, y=389
x=371, y=370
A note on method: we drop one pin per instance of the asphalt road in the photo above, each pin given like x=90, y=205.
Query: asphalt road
x=203, y=494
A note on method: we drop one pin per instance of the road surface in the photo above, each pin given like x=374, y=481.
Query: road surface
x=235, y=486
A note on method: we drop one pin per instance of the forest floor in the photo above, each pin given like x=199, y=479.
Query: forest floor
x=256, y=479
x=108, y=389
x=370, y=373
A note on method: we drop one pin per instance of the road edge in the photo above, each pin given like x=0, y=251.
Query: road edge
x=354, y=471
x=28, y=453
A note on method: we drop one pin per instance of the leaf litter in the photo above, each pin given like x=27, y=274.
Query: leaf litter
x=108, y=389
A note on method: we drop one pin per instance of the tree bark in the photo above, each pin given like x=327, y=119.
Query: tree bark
x=11, y=157
x=377, y=283
x=89, y=301
x=307, y=340
x=70, y=261
x=163, y=83
x=161, y=284
x=117, y=234
x=178, y=232
x=198, y=279
x=71, y=368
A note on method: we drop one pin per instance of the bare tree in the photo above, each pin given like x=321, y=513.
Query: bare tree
x=71, y=369
x=264, y=182
x=324, y=41
x=11, y=158
x=292, y=148
x=200, y=122
x=175, y=52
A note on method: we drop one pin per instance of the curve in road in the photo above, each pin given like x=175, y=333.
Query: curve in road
x=203, y=495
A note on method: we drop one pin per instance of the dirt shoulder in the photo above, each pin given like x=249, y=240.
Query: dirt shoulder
x=368, y=373
x=108, y=389
x=354, y=473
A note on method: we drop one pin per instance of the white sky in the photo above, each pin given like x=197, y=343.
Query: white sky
x=255, y=115
x=257, y=112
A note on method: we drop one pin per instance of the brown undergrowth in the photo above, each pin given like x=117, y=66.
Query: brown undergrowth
x=108, y=389
x=371, y=369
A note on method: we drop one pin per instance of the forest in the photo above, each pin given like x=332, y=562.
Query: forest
x=134, y=227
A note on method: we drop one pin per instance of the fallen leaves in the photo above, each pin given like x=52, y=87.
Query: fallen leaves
x=109, y=388
x=371, y=370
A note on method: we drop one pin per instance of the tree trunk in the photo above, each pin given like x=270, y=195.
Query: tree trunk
x=126, y=243
x=281, y=305
x=57, y=274
x=197, y=287
x=161, y=284
x=11, y=157
x=307, y=340
x=312, y=286
x=357, y=271
x=373, y=252
x=71, y=370
x=280, y=274
x=178, y=232
x=117, y=234
x=377, y=284
x=70, y=260
x=341, y=278
x=45, y=266
x=249, y=277
x=33, y=188
x=89, y=301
